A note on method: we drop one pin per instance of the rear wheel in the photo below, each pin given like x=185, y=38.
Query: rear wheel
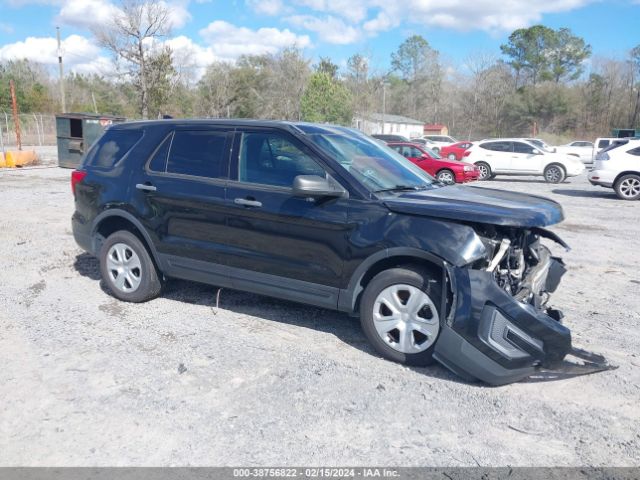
x=446, y=176
x=627, y=187
x=554, y=174
x=485, y=171
x=127, y=268
x=399, y=314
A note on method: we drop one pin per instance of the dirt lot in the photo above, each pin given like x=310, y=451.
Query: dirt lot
x=87, y=380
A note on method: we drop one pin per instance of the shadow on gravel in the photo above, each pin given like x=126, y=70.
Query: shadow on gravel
x=586, y=193
x=516, y=180
x=87, y=266
x=341, y=325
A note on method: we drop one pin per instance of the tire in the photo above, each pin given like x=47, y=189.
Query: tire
x=485, y=171
x=388, y=290
x=627, y=187
x=452, y=157
x=446, y=176
x=136, y=278
x=554, y=173
x=436, y=149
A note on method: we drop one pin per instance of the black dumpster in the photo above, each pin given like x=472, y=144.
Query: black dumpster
x=76, y=132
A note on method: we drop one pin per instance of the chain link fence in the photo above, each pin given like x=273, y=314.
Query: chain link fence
x=36, y=129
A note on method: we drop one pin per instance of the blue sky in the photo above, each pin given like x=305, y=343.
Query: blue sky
x=208, y=30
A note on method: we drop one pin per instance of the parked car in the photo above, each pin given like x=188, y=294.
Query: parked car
x=514, y=156
x=580, y=148
x=440, y=141
x=423, y=142
x=390, y=138
x=604, y=142
x=446, y=171
x=618, y=167
x=325, y=216
x=455, y=151
x=539, y=143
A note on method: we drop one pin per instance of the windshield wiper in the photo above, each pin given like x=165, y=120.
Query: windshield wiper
x=401, y=188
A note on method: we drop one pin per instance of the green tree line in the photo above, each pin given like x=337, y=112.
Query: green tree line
x=540, y=76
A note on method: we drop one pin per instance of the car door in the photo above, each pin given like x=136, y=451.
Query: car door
x=280, y=244
x=497, y=154
x=526, y=158
x=180, y=196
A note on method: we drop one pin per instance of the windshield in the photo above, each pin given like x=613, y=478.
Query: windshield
x=377, y=167
x=540, y=144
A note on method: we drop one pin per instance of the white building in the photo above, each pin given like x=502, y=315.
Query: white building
x=375, y=123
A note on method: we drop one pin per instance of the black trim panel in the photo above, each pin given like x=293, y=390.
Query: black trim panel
x=250, y=281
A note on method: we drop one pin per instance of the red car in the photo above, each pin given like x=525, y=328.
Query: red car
x=445, y=171
x=455, y=151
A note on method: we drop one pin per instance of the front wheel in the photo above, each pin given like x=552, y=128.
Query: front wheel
x=628, y=187
x=452, y=157
x=485, y=171
x=127, y=268
x=399, y=313
x=554, y=174
x=446, y=176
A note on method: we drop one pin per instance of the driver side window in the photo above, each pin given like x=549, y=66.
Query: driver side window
x=271, y=159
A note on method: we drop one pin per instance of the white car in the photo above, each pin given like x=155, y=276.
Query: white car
x=440, y=141
x=618, y=167
x=580, y=148
x=514, y=156
x=605, y=142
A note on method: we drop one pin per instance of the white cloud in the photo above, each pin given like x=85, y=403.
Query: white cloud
x=330, y=29
x=88, y=13
x=375, y=16
x=79, y=53
x=228, y=41
x=267, y=7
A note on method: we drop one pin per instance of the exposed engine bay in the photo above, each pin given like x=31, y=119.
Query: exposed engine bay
x=520, y=264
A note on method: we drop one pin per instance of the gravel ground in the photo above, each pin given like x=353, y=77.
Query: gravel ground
x=89, y=381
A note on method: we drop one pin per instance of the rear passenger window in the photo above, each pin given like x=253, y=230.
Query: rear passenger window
x=199, y=153
x=112, y=147
x=634, y=151
x=497, y=146
x=603, y=143
x=158, y=162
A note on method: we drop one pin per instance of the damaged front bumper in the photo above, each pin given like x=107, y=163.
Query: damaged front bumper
x=492, y=336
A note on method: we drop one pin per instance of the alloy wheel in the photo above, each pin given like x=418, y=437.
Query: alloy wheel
x=553, y=175
x=124, y=267
x=630, y=187
x=446, y=177
x=406, y=318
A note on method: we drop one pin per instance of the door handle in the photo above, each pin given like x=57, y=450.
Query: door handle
x=247, y=203
x=146, y=186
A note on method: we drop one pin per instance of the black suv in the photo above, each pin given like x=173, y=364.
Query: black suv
x=326, y=216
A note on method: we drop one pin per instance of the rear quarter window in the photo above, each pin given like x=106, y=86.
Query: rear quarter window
x=112, y=147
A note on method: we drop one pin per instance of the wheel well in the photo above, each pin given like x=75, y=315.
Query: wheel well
x=115, y=223
x=556, y=164
x=394, y=262
x=622, y=174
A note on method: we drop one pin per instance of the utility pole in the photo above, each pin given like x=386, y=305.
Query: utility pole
x=14, y=109
x=384, y=102
x=63, y=101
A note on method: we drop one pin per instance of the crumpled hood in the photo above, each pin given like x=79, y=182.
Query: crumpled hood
x=479, y=205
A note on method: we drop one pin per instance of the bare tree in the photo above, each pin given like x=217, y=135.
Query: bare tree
x=131, y=37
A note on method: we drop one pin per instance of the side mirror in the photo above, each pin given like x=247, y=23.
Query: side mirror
x=316, y=186
x=424, y=156
x=537, y=152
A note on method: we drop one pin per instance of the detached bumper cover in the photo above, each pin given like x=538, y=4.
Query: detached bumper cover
x=491, y=336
